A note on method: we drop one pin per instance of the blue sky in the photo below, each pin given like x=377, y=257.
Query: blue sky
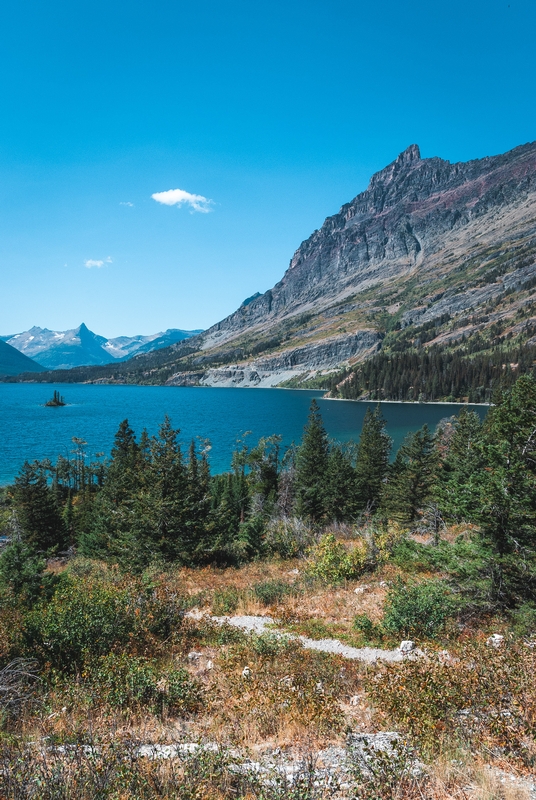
x=277, y=113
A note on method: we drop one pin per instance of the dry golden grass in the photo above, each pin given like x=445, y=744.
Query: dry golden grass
x=334, y=605
x=468, y=776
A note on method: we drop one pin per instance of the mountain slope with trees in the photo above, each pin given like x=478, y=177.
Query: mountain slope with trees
x=13, y=363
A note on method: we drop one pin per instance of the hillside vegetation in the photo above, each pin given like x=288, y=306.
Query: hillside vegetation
x=118, y=577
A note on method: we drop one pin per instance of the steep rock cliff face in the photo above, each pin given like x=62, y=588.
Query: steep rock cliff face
x=412, y=213
x=291, y=362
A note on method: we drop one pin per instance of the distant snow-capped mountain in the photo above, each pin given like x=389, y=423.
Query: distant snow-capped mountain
x=81, y=347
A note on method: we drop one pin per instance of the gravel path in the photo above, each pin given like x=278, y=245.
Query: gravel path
x=258, y=625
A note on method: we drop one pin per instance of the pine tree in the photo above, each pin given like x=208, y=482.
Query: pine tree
x=106, y=528
x=372, y=459
x=340, y=497
x=122, y=476
x=162, y=509
x=412, y=477
x=507, y=491
x=263, y=477
x=195, y=541
x=23, y=576
x=40, y=518
x=499, y=495
x=311, y=466
x=462, y=466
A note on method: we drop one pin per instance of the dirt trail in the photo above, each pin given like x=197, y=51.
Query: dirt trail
x=258, y=624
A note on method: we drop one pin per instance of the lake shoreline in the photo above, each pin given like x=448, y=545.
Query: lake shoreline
x=411, y=402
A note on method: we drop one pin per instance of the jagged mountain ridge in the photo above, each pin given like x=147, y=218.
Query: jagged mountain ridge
x=419, y=219
x=82, y=347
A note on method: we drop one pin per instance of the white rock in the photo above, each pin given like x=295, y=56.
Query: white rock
x=246, y=672
x=354, y=700
x=210, y=664
x=384, y=584
x=359, y=590
x=406, y=646
x=495, y=640
x=194, y=656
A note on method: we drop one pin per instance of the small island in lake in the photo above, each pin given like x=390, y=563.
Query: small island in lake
x=56, y=400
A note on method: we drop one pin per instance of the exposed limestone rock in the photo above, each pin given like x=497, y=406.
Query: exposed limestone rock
x=281, y=366
x=185, y=379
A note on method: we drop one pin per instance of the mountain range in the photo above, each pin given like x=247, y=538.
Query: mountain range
x=432, y=258
x=81, y=347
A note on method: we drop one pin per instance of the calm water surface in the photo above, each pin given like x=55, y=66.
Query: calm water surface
x=30, y=431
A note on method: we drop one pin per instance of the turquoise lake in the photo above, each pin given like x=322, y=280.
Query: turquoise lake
x=30, y=431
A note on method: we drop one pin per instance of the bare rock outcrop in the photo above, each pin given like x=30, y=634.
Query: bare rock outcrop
x=270, y=371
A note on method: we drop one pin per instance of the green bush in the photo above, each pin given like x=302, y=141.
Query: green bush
x=363, y=624
x=225, y=601
x=412, y=556
x=271, y=592
x=79, y=622
x=524, y=619
x=124, y=681
x=22, y=575
x=332, y=563
x=419, y=610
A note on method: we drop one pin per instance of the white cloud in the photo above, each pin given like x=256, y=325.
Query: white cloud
x=178, y=197
x=128, y=203
x=93, y=262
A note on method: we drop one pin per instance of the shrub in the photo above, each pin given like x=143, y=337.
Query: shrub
x=225, y=601
x=420, y=610
x=289, y=537
x=363, y=624
x=23, y=576
x=124, y=681
x=86, y=619
x=78, y=622
x=524, y=620
x=271, y=592
x=332, y=563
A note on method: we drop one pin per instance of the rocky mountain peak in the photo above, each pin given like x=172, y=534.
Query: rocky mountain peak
x=407, y=159
x=410, y=154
